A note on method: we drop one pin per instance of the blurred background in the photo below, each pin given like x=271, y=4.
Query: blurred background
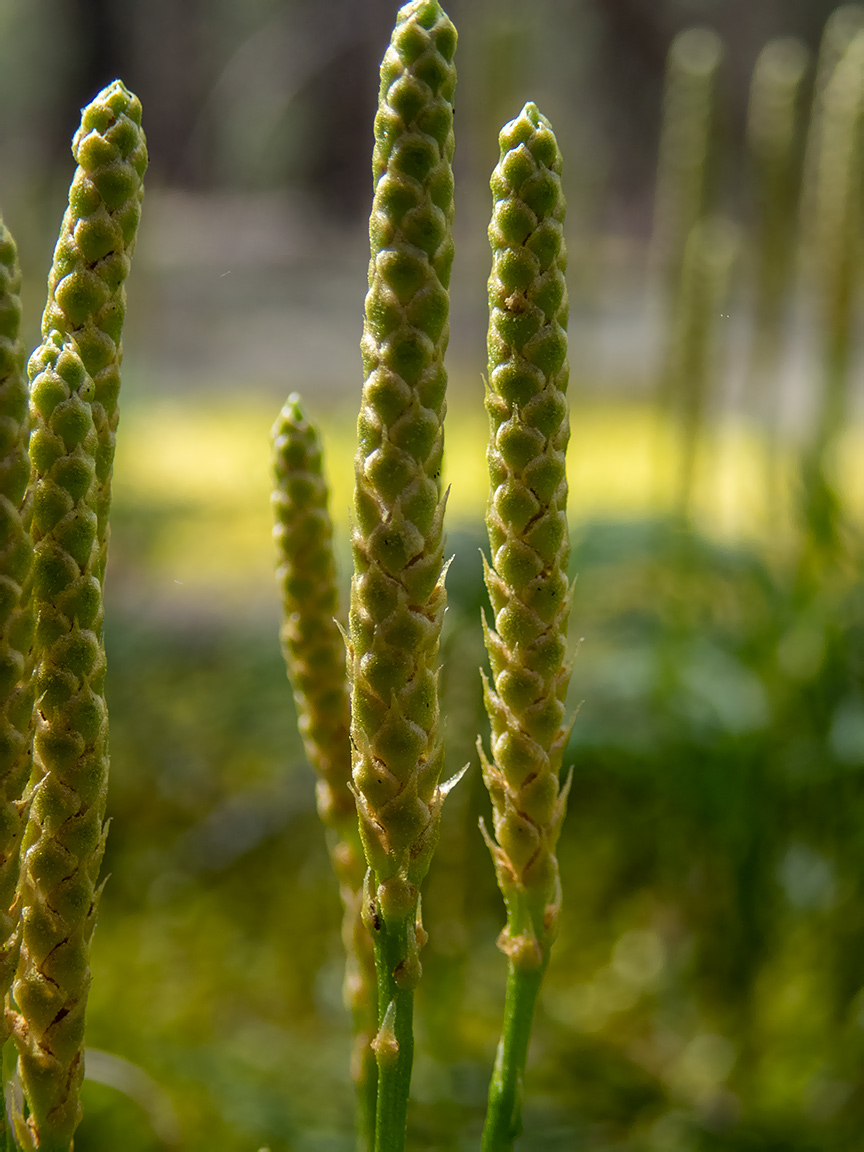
x=706, y=992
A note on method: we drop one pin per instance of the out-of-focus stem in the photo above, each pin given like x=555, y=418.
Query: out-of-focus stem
x=773, y=141
x=841, y=28
x=708, y=261
x=836, y=254
x=685, y=147
x=839, y=184
x=681, y=199
x=773, y=137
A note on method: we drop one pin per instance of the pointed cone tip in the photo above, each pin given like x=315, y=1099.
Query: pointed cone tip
x=426, y=12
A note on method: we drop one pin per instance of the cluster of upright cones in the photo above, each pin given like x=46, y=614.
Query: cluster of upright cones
x=397, y=592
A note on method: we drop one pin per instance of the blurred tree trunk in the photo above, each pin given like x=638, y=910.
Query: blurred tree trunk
x=344, y=94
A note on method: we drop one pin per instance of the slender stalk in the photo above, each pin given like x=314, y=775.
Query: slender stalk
x=397, y=591
x=527, y=578
x=394, y=1042
x=314, y=652
x=504, y=1111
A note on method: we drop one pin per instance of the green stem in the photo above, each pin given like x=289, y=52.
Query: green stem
x=504, y=1109
x=394, y=1044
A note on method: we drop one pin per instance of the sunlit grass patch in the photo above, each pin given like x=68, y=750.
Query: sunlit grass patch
x=203, y=472
x=202, y=475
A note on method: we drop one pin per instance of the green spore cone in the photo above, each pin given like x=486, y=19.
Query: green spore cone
x=65, y=835
x=527, y=577
x=527, y=521
x=397, y=592
x=86, y=285
x=311, y=641
x=314, y=652
x=16, y=616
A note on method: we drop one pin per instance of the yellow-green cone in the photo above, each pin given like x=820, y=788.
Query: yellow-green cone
x=397, y=590
x=311, y=641
x=65, y=835
x=527, y=524
x=529, y=428
x=16, y=617
x=397, y=595
x=86, y=286
x=75, y=378
x=314, y=651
